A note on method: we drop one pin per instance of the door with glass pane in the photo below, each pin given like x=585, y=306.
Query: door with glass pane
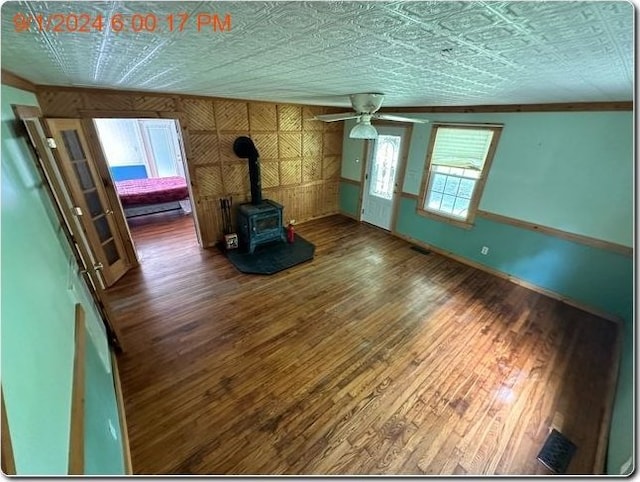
x=161, y=141
x=88, y=196
x=381, y=176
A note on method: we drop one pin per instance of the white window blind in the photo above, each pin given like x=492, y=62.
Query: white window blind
x=466, y=148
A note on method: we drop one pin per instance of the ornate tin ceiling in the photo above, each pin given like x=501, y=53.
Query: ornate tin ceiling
x=417, y=53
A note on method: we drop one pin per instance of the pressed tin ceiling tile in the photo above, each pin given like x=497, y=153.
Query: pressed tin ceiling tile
x=425, y=53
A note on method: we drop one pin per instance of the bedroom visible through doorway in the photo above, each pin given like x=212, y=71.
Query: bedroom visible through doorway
x=146, y=163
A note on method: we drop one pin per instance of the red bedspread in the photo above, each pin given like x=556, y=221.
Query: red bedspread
x=152, y=190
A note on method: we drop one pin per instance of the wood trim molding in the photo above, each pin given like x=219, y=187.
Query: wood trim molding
x=442, y=219
x=605, y=424
x=24, y=112
x=408, y=195
x=350, y=181
x=76, y=437
x=8, y=462
x=578, y=238
x=548, y=107
x=555, y=107
x=93, y=90
x=367, y=150
x=13, y=80
x=118, y=114
x=401, y=169
x=124, y=433
x=513, y=279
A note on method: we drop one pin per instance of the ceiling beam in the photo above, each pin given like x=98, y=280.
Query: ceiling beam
x=9, y=78
x=548, y=107
x=557, y=107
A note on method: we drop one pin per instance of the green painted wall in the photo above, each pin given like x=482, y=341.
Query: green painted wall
x=39, y=291
x=571, y=171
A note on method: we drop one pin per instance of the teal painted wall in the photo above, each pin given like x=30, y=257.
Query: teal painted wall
x=570, y=171
x=349, y=194
x=352, y=154
x=621, y=438
x=102, y=437
x=600, y=278
x=39, y=291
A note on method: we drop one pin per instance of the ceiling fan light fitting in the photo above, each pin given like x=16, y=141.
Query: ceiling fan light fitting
x=363, y=131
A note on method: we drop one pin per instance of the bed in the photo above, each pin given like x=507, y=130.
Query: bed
x=153, y=195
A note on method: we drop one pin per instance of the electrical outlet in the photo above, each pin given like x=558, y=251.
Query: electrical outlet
x=484, y=250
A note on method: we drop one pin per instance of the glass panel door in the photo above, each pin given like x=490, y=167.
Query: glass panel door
x=380, y=187
x=384, y=165
x=89, y=199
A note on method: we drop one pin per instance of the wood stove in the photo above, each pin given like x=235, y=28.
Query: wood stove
x=258, y=224
x=259, y=221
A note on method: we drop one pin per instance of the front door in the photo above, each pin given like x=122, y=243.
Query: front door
x=381, y=176
x=87, y=193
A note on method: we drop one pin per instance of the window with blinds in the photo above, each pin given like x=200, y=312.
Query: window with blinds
x=458, y=162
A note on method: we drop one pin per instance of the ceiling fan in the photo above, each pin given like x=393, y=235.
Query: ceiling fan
x=365, y=107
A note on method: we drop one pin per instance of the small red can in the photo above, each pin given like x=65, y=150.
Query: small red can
x=291, y=233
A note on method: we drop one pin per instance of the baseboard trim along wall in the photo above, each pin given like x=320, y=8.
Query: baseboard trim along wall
x=124, y=433
x=513, y=279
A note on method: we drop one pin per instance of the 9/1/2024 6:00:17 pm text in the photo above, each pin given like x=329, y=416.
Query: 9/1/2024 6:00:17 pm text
x=138, y=22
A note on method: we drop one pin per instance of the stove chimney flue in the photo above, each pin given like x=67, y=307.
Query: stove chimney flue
x=245, y=148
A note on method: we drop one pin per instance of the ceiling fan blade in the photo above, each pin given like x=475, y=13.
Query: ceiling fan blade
x=400, y=118
x=336, y=117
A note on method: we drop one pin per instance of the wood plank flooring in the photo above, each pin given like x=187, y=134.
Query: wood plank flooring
x=371, y=359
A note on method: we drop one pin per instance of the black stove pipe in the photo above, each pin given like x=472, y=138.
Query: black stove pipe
x=244, y=147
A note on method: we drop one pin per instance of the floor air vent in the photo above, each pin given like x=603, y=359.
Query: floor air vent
x=556, y=452
x=420, y=250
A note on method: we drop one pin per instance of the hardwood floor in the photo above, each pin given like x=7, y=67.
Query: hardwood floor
x=371, y=359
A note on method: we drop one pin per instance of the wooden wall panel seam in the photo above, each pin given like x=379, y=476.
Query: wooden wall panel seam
x=76, y=437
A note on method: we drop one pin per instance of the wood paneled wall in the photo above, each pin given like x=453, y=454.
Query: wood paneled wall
x=300, y=159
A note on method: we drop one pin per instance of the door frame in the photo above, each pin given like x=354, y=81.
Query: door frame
x=82, y=256
x=400, y=171
x=103, y=166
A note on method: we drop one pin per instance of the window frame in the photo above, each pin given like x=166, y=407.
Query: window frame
x=480, y=183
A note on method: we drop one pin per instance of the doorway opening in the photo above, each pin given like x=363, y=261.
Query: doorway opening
x=146, y=162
